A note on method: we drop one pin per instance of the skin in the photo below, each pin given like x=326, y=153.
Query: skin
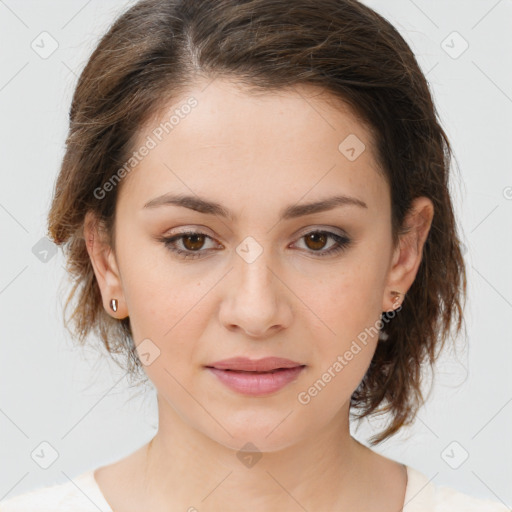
x=255, y=155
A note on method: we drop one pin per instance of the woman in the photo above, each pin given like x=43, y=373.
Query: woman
x=254, y=204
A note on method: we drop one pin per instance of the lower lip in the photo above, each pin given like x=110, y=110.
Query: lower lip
x=254, y=384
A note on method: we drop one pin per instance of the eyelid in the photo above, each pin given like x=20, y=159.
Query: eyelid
x=199, y=228
x=333, y=229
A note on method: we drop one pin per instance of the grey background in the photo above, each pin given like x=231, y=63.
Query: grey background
x=81, y=404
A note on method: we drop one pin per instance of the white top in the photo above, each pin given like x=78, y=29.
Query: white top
x=82, y=494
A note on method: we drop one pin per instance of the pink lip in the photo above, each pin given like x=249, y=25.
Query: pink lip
x=256, y=377
x=251, y=383
x=254, y=365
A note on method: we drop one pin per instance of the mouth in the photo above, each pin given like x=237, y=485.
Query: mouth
x=256, y=381
x=275, y=370
x=264, y=365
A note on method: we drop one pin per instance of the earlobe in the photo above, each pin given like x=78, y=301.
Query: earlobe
x=105, y=267
x=408, y=254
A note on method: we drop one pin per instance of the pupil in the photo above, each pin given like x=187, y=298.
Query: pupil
x=313, y=238
x=197, y=241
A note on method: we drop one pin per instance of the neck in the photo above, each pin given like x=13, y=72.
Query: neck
x=187, y=469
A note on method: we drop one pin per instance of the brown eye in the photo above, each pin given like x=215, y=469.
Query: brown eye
x=317, y=243
x=193, y=242
x=316, y=240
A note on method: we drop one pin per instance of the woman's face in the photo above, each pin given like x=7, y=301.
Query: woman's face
x=254, y=284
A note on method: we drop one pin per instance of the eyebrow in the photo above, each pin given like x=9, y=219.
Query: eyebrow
x=202, y=205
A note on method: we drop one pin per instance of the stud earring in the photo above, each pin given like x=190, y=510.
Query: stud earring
x=113, y=305
x=383, y=336
x=396, y=301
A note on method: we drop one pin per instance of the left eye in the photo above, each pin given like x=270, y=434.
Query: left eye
x=193, y=242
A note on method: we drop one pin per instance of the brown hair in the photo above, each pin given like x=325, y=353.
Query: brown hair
x=158, y=48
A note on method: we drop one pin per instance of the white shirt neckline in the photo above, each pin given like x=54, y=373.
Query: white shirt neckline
x=418, y=492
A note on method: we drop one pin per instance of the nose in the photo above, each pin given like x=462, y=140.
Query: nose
x=256, y=300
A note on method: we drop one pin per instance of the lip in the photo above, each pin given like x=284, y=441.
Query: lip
x=254, y=383
x=256, y=377
x=264, y=364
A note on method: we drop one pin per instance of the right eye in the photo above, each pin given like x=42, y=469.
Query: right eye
x=192, y=241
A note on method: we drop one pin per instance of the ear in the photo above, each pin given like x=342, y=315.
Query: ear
x=105, y=267
x=408, y=253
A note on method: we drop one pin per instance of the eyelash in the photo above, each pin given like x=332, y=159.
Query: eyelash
x=342, y=242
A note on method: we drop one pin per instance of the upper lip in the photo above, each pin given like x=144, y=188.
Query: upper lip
x=255, y=365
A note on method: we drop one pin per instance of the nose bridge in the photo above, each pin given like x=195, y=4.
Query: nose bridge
x=256, y=301
x=254, y=268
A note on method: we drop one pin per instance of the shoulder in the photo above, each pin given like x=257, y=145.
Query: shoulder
x=422, y=495
x=80, y=494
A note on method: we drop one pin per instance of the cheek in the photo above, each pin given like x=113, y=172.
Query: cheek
x=167, y=308
x=157, y=291
x=344, y=302
x=340, y=363
x=343, y=323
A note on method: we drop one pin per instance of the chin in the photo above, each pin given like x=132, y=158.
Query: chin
x=270, y=433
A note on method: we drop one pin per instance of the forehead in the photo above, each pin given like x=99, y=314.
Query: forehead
x=220, y=138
